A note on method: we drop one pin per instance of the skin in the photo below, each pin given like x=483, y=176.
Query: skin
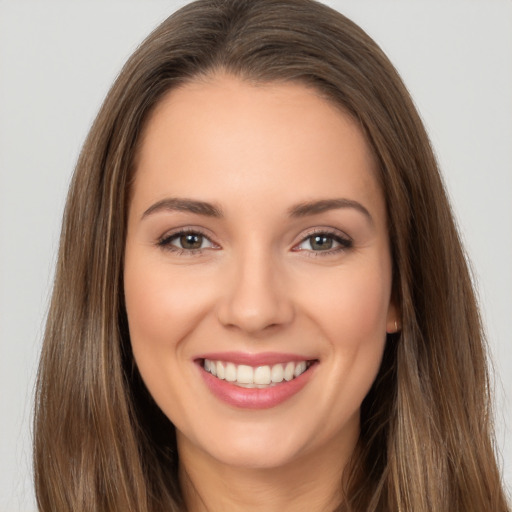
x=258, y=285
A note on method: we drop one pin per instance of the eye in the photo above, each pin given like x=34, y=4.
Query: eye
x=186, y=241
x=324, y=242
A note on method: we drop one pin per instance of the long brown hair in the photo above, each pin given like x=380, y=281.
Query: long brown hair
x=100, y=442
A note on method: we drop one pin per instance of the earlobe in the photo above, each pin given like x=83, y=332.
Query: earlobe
x=393, y=328
x=393, y=324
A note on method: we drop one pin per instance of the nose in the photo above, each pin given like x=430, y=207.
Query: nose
x=256, y=298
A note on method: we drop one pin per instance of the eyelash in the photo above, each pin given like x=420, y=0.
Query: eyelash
x=166, y=242
x=345, y=243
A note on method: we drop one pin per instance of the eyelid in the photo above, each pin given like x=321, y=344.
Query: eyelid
x=345, y=242
x=164, y=241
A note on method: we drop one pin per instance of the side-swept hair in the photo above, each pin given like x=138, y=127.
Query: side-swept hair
x=101, y=443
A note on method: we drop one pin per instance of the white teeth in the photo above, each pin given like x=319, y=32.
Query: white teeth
x=288, y=371
x=245, y=374
x=300, y=368
x=262, y=375
x=230, y=372
x=277, y=374
x=221, y=374
x=259, y=377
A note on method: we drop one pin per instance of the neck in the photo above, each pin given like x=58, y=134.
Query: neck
x=311, y=483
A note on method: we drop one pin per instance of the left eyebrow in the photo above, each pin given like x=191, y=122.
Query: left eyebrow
x=323, y=205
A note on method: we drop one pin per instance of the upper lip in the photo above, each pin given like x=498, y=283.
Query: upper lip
x=251, y=359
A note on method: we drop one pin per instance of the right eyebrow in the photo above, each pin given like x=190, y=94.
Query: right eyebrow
x=184, y=205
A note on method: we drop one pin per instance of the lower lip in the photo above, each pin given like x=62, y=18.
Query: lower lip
x=255, y=398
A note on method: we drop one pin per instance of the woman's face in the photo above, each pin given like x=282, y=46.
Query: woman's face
x=257, y=271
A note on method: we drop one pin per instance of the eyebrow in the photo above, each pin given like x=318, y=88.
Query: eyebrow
x=315, y=207
x=185, y=205
x=210, y=210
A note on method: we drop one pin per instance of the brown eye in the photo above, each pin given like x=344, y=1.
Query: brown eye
x=328, y=243
x=191, y=241
x=321, y=242
x=186, y=241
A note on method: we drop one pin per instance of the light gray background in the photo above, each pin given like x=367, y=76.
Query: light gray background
x=57, y=60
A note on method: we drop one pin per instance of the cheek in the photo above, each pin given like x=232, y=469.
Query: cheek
x=354, y=303
x=162, y=307
x=352, y=315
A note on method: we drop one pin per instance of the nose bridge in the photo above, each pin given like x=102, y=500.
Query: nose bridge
x=256, y=297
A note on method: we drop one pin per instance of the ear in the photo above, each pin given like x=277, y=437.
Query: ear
x=393, y=321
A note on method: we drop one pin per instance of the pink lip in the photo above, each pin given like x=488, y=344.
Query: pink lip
x=261, y=359
x=254, y=398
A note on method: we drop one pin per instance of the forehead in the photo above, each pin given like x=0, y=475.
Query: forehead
x=230, y=138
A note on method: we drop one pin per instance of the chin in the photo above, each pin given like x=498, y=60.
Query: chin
x=256, y=458
x=243, y=445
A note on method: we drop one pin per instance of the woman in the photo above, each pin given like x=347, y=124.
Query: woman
x=261, y=299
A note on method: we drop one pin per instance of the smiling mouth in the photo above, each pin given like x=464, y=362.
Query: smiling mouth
x=259, y=377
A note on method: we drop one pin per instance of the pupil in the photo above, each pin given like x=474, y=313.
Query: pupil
x=320, y=242
x=191, y=241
